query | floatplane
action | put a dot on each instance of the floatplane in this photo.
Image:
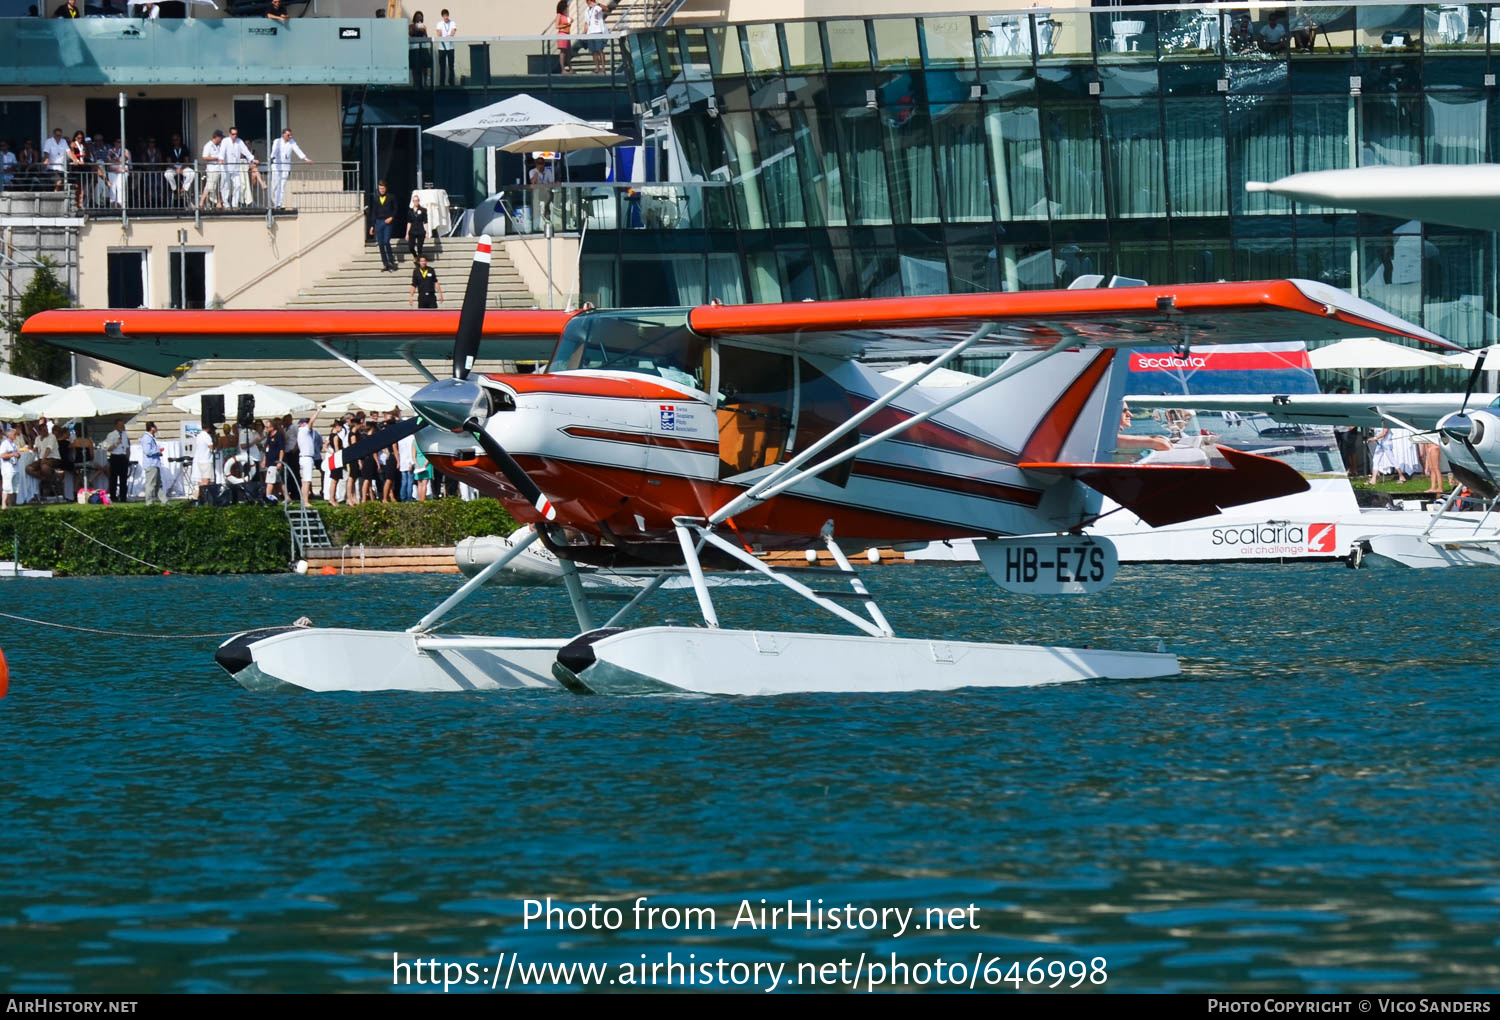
(682, 442)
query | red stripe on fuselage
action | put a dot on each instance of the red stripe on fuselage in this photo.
(1052, 431)
(642, 439)
(928, 433)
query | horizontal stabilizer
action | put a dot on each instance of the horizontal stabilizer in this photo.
(1166, 493)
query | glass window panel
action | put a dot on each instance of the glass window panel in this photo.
(804, 46)
(924, 272)
(1075, 175)
(1196, 157)
(878, 271)
(1390, 271)
(1200, 262)
(1014, 135)
(779, 172)
(1260, 149)
(1150, 261)
(896, 43)
(1391, 130)
(1322, 137)
(1449, 27)
(1262, 258)
(821, 153)
(1126, 36)
(1453, 287)
(868, 191)
(763, 47)
(739, 151)
(948, 42)
(1025, 267)
(958, 137)
(1189, 33)
(1132, 129)
(912, 173)
(848, 45)
(597, 280)
(765, 276)
(1071, 260)
(973, 269)
(1064, 37)
(1010, 38)
(724, 280)
(1330, 260)
(1457, 126)
(1389, 28)
(724, 50)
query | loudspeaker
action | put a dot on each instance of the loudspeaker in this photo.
(213, 409)
(246, 417)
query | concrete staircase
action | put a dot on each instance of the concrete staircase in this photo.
(360, 284)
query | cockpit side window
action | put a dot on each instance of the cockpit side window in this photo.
(652, 343)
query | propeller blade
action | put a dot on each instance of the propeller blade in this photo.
(471, 319)
(513, 472)
(1473, 381)
(1469, 445)
(388, 436)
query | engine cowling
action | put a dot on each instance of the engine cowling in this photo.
(1481, 429)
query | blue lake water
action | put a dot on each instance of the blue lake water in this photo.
(1312, 806)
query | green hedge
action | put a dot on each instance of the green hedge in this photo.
(187, 539)
(439, 522)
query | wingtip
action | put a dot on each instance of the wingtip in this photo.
(1254, 186)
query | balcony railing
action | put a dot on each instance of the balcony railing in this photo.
(159, 190)
(570, 207)
(477, 63)
(201, 51)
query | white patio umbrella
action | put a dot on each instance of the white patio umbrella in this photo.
(270, 401)
(1468, 359)
(1460, 196)
(569, 137)
(1368, 353)
(10, 411)
(501, 123)
(368, 398)
(20, 386)
(82, 401)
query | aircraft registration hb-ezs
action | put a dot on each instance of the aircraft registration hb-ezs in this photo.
(658, 443)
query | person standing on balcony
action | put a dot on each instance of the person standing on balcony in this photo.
(151, 159)
(7, 164)
(238, 159)
(593, 25)
(382, 223)
(446, 30)
(180, 174)
(213, 173)
(118, 173)
(69, 9)
(282, 151)
(419, 56)
(277, 11)
(55, 152)
(562, 25)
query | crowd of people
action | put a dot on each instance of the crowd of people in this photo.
(284, 460)
(101, 174)
(61, 454)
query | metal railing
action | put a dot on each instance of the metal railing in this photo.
(471, 63)
(102, 191)
(570, 207)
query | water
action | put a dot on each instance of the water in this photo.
(1312, 806)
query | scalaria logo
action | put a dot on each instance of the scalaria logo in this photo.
(1193, 361)
(1317, 538)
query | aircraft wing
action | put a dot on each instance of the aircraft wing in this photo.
(1422, 410)
(1192, 314)
(158, 341)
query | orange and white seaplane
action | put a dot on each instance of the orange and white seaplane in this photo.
(666, 442)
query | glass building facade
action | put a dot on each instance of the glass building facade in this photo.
(941, 154)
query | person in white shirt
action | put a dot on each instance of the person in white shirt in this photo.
(118, 173)
(213, 174)
(306, 449)
(445, 31)
(234, 188)
(282, 151)
(406, 457)
(7, 164)
(593, 24)
(55, 152)
(151, 465)
(117, 445)
(203, 462)
(10, 454)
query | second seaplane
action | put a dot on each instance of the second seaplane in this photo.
(677, 444)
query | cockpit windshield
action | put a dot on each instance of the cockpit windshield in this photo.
(655, 343)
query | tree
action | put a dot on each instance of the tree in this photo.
(29, 357)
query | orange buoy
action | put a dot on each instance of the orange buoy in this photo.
(4, 674)
(329, 571)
